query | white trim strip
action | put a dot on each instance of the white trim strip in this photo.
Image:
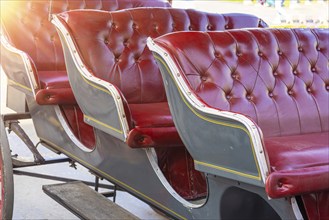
(88, 76)
(296, 209)
(69, 132)
(151, 154)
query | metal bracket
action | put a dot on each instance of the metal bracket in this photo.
(13, 125)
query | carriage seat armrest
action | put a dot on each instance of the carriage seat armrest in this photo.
(298, 181)
(103, 105)
(55, 96)
(18, 67)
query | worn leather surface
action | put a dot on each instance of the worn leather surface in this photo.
(279, 78)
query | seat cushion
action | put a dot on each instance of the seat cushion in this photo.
(53, 79)
(55, 89)
(153, 126)
(299, 164)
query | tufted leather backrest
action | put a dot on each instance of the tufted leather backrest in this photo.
(27, 25)
(279, 78)
(113, 44)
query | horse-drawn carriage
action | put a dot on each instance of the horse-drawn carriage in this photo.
(224, 119)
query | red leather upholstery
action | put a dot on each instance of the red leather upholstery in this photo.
(122, 46)
(55, 90)
(27, 27)
(113, 48)
(313, 209)
(153, 126)
(83, 132)
(278, 78)
(129, 64)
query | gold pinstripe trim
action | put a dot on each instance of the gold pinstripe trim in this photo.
(258, 177)
(19, 85)
(94, 85)
(103, 124)
(227, 170)
(113, 179)
(120, 131)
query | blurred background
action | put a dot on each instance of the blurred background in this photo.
(276, 13)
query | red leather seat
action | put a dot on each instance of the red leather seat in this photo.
(153, 126)
(28, 29)
(118, 54)
(54, 89)
(279, 79)
(113, 49)
(299, 164)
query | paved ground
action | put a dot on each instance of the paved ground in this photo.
(32, 203)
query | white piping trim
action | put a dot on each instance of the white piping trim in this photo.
(151, 155)
(68, 130)
(26, 62)
(296, 209)
(256, 136)
(88, 76)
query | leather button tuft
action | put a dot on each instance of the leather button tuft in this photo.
(295, 72)
(327, 87)
(260, 54)
(280, 52)
(309, 89)
(248, 97)
(290, 92)
(270, 94)
(280, 184)
(106, 41)
(234, 75)
(217, 55)
(190, 28)
(203, 78)
(313, 69)
(226, 26)
(209, 27)
(275, 73)
(228, 97)
(318, 48)
(238, 53)
(300, 49)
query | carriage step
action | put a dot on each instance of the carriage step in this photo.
(85, 202)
